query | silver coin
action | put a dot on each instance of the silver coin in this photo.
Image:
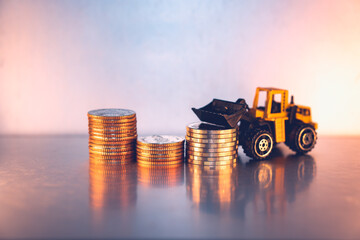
(160, 139)
(111, 112)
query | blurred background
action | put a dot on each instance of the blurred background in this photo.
(60, 59)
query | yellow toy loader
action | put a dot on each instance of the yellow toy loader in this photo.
(262, 126)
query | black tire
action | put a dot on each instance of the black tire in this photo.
(259, 144)
(302, 138)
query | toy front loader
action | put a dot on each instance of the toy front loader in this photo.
(261, 127)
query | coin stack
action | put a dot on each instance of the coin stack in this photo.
(160, 150)
(211, 145)
(112, 135)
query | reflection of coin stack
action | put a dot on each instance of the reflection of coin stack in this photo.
(160, 150)
(112, 135)
(112, 185)
(161, 176)
(211, 145)
(214, 185)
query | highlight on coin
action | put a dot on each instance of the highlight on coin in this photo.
(112, 135)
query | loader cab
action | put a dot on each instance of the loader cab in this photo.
(270, 105)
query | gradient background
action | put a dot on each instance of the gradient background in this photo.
(59, 59)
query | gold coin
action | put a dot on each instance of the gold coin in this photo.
(202, 140)
(211, 136)
(217, 163)
(159, 159)
(100, 155)
(122, 126)
(103, 153)
(160, 148)
(211, 154)
(112, 135)
(120, 134)
(112, 125)
(141, 162)
(111, 151)
(111, 121)
(144, 154)
(112, 139)
(120, 121)
(163, 152)
(113, 145)
(214, 150)
(211, 159)
(204, 128)
(112, 129)
(211, 145)
(112, 159)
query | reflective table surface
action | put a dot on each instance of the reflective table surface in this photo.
(48, 189)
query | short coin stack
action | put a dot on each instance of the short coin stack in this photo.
(112, 135)
(211, 145)
(160, 150)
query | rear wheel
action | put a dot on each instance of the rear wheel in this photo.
(258, 144)
(302, 138)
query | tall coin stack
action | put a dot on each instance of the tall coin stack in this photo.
(112, 135)
(160, 150)
(211, 145)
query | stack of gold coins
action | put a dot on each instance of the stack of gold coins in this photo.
(161, 176)
(211, 145)
(160, 150)
(112, 135)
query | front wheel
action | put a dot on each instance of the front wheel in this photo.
(259, 144)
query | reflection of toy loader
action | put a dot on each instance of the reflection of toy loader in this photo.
(263, 126)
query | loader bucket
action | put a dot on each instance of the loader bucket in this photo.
(222, 112)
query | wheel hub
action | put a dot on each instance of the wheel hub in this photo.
(263, 144)
(307, 138)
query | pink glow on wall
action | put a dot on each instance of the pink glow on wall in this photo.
(58, 59)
